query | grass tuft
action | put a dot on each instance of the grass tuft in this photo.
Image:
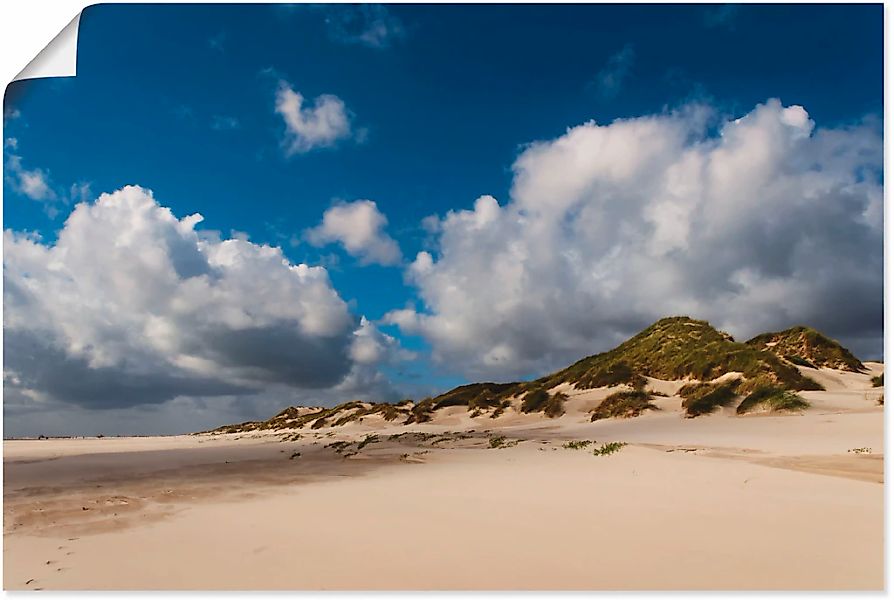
(771, 398)
(623, 404)
(702, 399)
(801, 362)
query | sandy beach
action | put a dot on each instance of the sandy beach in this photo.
(766, 501)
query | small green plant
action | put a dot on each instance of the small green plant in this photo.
(878, 380)
(577, 444)
(609, 448)
(294, 455)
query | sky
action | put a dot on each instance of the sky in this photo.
(235, 208)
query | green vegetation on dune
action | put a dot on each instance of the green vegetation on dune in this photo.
(500, 409)
(705, 398)
(878, 380)
(540, 400)
(555, 406)
(771, 398)
(673, 348)
(679, 348)
(807, 347)
(623, 404)
(609, 448)
(475, 395)
(800, 361)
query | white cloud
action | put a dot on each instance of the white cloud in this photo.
(371, 346)
(11, 142)
(31, 183)
(360, 228)
(133, 306)
(307, 127)
(611, 77)
(765, 224)
(370, 25)
(80, 192)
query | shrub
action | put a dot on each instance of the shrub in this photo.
(878, 380)
(624, 404)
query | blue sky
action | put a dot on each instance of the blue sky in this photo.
(441, 101)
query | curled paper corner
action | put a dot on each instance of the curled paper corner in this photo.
(59, 58)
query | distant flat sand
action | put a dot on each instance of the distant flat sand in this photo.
(718, 502)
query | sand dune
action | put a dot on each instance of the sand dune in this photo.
(766, 501)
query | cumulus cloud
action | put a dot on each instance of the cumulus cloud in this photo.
(360, 228)
(371, 346)
(611, 77)
(320, 125)
(370, 25)
(133, 306)
(755, 223)
(33, 183)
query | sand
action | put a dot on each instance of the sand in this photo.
(725, 502)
